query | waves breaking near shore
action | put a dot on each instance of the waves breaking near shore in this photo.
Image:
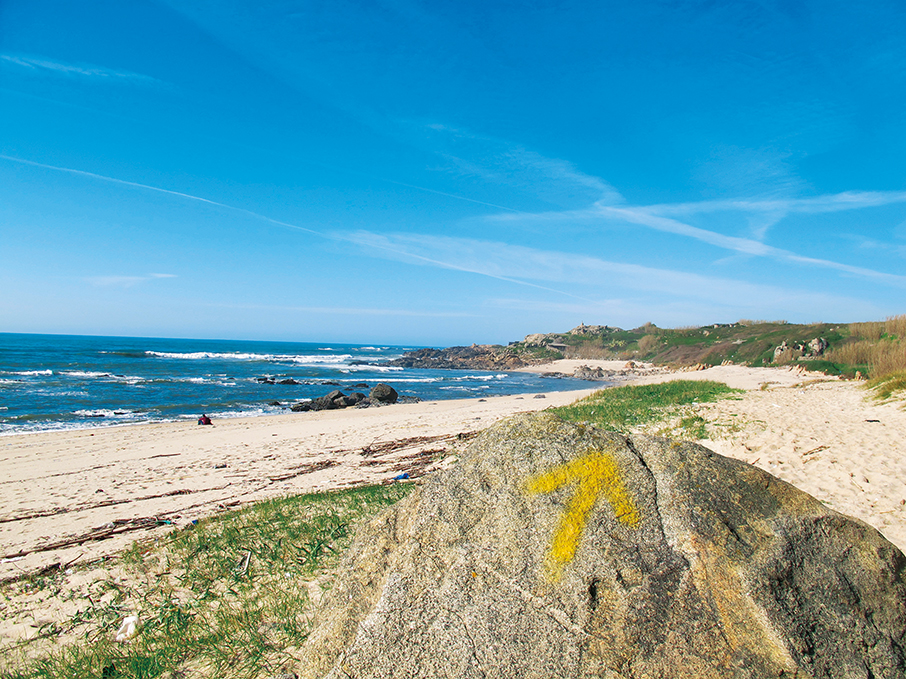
(57, 382)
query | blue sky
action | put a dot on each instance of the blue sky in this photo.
(447, 172)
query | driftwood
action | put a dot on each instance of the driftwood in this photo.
(389, 447)
(75, 471)
(118, 527)
(107, 503)
(414, 464)
(304, 469)
(423, 457)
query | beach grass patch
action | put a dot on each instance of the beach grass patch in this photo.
(889, 386)
(626, 408)
(228, 597)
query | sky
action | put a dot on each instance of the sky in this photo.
(440, 173)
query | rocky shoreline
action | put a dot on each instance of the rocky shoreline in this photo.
(380, 395)
(475, 357)
(495, 357)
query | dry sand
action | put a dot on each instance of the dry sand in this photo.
(113, 483)
(821, 435)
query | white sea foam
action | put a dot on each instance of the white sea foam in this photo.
(313, 359)
(89, 423)
(103, 412)
(298, 359)
(33, 373)
(56, 393)
(84, 373)
(196, 355)
(94, 375)
(248, 411)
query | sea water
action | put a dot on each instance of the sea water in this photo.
(51, 382)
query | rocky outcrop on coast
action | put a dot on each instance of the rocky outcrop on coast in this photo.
(556, 549)
(380, 395)
(475, 357)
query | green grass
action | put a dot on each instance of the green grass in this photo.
(889, 386)
(224, 598)
(693, 427)
(625, 408)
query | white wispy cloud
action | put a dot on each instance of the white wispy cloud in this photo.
(157, 189)
(834, 202)
(41, 64)
(590, 280)
(125, 281)
(643, 217)
(498, 161)
(653, 217)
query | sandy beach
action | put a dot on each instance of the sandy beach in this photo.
(77, 495)
(73, 497)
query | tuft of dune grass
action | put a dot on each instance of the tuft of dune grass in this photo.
(889, 386)
(227, 597)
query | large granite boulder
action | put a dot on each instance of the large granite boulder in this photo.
(558, 550)
(383, 393)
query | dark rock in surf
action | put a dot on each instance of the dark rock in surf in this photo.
(383, 393)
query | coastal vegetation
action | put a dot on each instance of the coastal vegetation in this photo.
(229, 596)
(874, 350)
(627, 408)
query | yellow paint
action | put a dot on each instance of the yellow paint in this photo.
(594, 473)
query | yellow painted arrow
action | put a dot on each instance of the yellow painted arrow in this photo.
(593, 473)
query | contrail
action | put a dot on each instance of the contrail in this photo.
(321, 234)
(189, 196)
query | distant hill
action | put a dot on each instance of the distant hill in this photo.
(836, 348)
(873, 349)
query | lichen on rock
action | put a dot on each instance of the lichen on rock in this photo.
(723, 571)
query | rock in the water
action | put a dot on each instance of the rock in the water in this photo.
(383, 393)
(323, 403)
(557, 550)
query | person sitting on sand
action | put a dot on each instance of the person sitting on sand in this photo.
(204, 419)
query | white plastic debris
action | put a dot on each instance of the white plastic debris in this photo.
(127, 629)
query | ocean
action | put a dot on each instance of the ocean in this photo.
(55, 382)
